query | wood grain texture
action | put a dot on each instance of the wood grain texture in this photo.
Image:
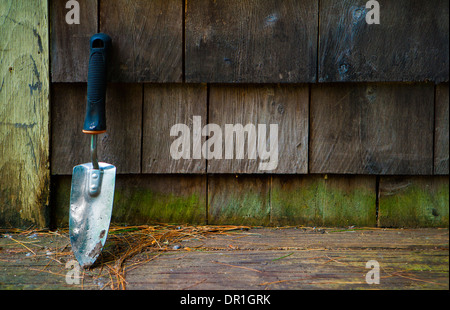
(411, 43)
(70, 147)
(166, 105)
(147, 199)
(291, 258)
(298, 259)
(144, 199)
(284, 268)
(238, 200)
(323, 200)
(70, 43)
(441, 130)
(286, 106)
(415, 201)
(24, 114)
(120, 145)
(277, 200)
(146, 37)
(371, 129)
(251, 41)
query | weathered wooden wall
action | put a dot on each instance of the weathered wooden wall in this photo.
(372, 128)
(365, 152)
(409, 44)
(256, 41)
(362, 110)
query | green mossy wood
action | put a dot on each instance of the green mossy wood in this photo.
(24, 113)
(414, 201)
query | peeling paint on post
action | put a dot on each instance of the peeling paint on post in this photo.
(24, 113)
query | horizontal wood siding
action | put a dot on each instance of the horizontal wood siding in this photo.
(165, 106)
(141, 199)
(70, 42)
(372, 128)
(286, 106)
(362, 110)
(277, 200)
(413, 201)
(147, 39)
(411, 43)
(323, 200)
(257, 41)
(242, 200)
(121, 144)
(146, 36)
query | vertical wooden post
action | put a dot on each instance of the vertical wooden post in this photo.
(24, 113)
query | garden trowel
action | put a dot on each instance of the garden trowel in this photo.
(92, 192)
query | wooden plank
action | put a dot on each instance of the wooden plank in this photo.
(70, 147)
(263, 259)
(20, 268)
(414, 201)
(143, 199)
(70, 42)
(285, 106)
(238, 200)
(411, 42)
(317, 200)
(277, 200)
(161, 199)
(147, 39)
(321, 238)
(371, 129)
(441, 130)
(24, 113)
(120, 146)
(300, 270)
(165, 106)
(257, 259)
(251, 41)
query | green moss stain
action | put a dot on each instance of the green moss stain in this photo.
(143, 206)
(293, 206)
(415, 202)
(312, 200)
(245, 209)
(323, 201)
(136, 205)
(242, 200)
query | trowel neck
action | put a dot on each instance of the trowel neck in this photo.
(94, 158)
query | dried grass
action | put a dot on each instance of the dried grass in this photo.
(123, 243)
(126, 242)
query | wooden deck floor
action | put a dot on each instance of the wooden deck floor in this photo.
(254, 259)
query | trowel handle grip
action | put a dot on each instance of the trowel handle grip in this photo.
(95, 120)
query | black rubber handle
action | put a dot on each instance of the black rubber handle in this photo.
(95, 120)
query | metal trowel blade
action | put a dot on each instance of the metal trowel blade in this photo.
(90, 214)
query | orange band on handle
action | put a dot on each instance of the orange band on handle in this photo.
(93, 132)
